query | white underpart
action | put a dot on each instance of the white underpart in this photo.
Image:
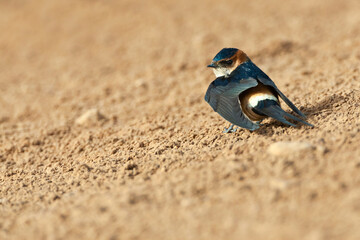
(221, 72)
(254, 100)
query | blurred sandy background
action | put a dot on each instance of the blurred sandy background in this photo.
(104, 133)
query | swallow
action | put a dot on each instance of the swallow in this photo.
(244, 95)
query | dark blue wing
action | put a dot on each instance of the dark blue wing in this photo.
(249, 69)
(223, 97)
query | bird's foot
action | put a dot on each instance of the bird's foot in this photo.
(230, 129)
(234, 129)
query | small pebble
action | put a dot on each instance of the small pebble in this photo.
(90, 116)
(289, 148)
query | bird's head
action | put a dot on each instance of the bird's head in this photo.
(227, 60)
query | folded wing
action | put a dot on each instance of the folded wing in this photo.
(223, 97)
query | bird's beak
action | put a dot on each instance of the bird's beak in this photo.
(212, 65)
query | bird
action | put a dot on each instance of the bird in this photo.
(244, 95)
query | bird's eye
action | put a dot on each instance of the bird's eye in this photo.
(226, 63)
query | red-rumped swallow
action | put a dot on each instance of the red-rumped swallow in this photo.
(243, 94)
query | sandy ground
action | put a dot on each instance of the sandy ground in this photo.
(148, 159)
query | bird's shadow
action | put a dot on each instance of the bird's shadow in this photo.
(324, 106)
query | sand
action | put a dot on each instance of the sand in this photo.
(105, 134)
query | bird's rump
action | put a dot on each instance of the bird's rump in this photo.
(249, 69)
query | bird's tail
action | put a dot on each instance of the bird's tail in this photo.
(272, 109)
